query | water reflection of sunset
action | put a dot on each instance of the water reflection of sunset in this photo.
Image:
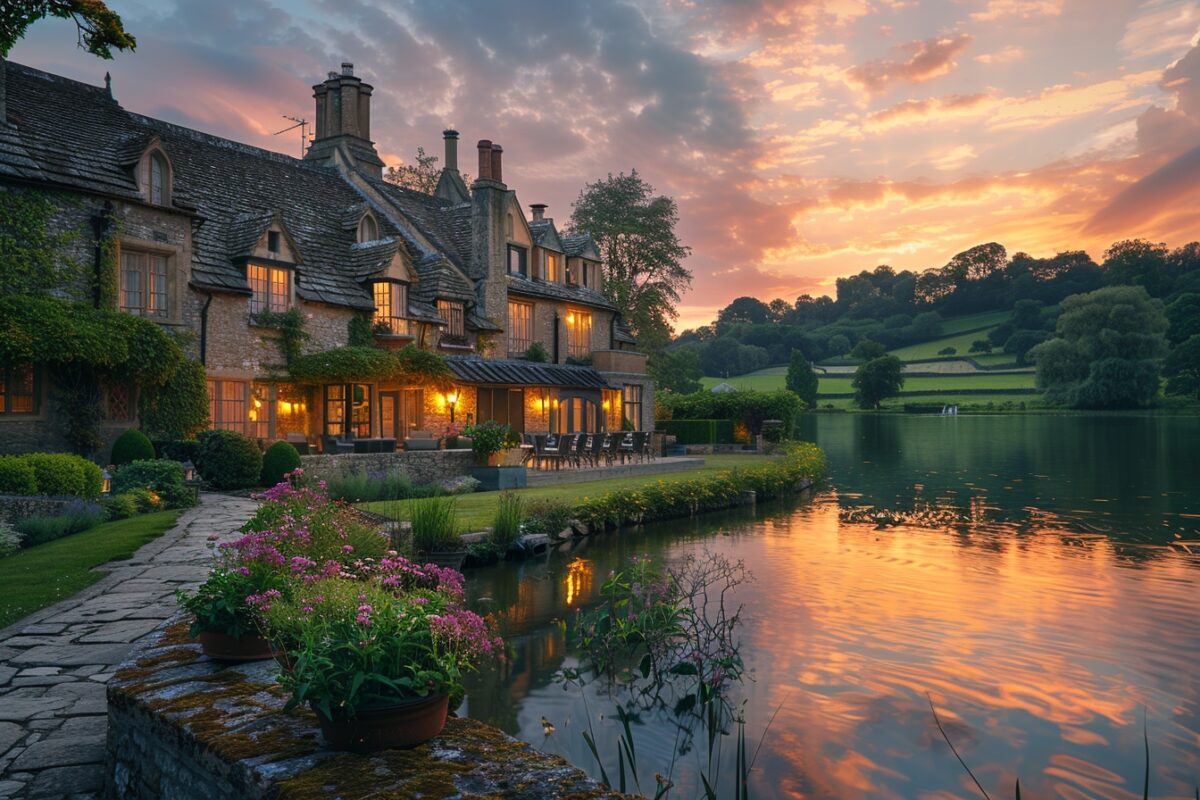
(1039, 648)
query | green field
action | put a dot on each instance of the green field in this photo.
(35, 578)
(476, 511)
(961, 342)
(944, 385)
(973, 322)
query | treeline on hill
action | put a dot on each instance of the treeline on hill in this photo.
(901, 308)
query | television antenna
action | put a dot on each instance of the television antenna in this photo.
(302, 124)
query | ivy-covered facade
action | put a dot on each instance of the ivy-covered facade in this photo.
(297, 288)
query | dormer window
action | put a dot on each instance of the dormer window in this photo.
(273, 242)
(518, 260)
(156, 178)
(551, 272)
(391, 304)
(368, 229)
(452, 313)
(270, 289)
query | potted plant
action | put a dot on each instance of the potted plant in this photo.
(226, 611)
(457, 438)
(490, 442)
(379, 663)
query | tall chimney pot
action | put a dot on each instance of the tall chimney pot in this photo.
(450, 136)
(347, 68)
(497, 172)
(485, 159)
(539, 211)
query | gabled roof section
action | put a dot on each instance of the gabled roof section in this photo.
(532, 287)
(582, 245)
(65, 134)
(545, 235)
(446, 225)
(438, 278)
(478, 322)
(621, 333)
(368, 259)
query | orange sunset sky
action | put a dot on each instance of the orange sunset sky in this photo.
(803, 140)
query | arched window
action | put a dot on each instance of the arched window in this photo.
(159, 190)
(368, 229)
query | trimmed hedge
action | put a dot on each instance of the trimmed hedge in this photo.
(178, 450)
(229, 460)
(64, 475)
(280, 459)
(17, 476)
(161, 476)
(130, 446)
(802, 464)
(697, 431)
(748, 407)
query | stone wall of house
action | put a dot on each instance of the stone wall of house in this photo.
(544, 313)
(184, 727)
(421, 466)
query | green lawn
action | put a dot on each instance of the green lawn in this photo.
(946, 384)
(45, 574)
(971, 322)
(476, 511)
(961, 342)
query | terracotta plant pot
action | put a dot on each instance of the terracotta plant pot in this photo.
(223, 647)
(406, 724)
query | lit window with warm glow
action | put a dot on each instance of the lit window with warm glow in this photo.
(579, 333)
(632, 402)
(391, 302)
(270, 288)
(520, 327)
(551, 273)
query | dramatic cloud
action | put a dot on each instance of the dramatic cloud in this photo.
(914, 62)
(802, 139)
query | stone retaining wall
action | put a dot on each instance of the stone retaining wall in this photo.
(184, 727)
(421, 466)
(14, 508)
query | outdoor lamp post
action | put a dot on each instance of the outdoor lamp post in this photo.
(106, 480)
(451, 401)
(189, 479)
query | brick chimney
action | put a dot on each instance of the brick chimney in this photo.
(539, 211)
(485, 160)
(343, 122)
(497, 172)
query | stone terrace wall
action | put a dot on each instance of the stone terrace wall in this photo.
(184, 727)
(421, 466)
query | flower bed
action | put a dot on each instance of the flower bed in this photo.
(357, 627)
(800, 467)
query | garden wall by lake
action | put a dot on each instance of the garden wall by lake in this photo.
(421, 466)
(185, 727)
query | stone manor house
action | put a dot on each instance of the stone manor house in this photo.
(210, 232)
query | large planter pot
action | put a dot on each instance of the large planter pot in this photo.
(405, 724)
(498, 478)
(444, 558)
(223, 647)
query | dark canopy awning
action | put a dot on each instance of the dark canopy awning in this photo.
(525, 373)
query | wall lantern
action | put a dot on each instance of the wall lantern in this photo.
(106, 479)
(189, 471)
(452, 401)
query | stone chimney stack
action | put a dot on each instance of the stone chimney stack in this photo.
(343, 122)
(497, 172)
(450, 137)
(539, 211)
(485, 160)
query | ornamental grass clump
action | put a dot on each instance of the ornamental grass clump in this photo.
(434, 525)
(506, 528)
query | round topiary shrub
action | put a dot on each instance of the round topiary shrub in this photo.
(65, 475)
(16, 476)
(229, 460)
(163, 477)
(280, 459)
(131, 446)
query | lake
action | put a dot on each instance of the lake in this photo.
(1057, 608)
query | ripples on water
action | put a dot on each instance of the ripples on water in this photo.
(1039, 639)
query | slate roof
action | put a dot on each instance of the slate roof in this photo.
(545, 235)
(621, 333)
(534, 287)
(446, 225)
(576, 244)
(73, 135)
(478, 322)
(439, 279)
(472, 369)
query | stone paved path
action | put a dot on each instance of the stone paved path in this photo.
(54, 663)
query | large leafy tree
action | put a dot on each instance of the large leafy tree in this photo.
(1183, 368)
(100, 29)
(676, 370)
(877, 380)
(642, 255)
(802, 379)
(421, 175)
(1080, 365)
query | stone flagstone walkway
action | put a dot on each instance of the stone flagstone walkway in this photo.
(54, 664)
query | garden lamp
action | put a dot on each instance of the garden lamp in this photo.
(106, 480)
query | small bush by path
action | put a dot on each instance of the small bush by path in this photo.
(42, 575)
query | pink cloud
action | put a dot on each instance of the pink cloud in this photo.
(913, 62)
